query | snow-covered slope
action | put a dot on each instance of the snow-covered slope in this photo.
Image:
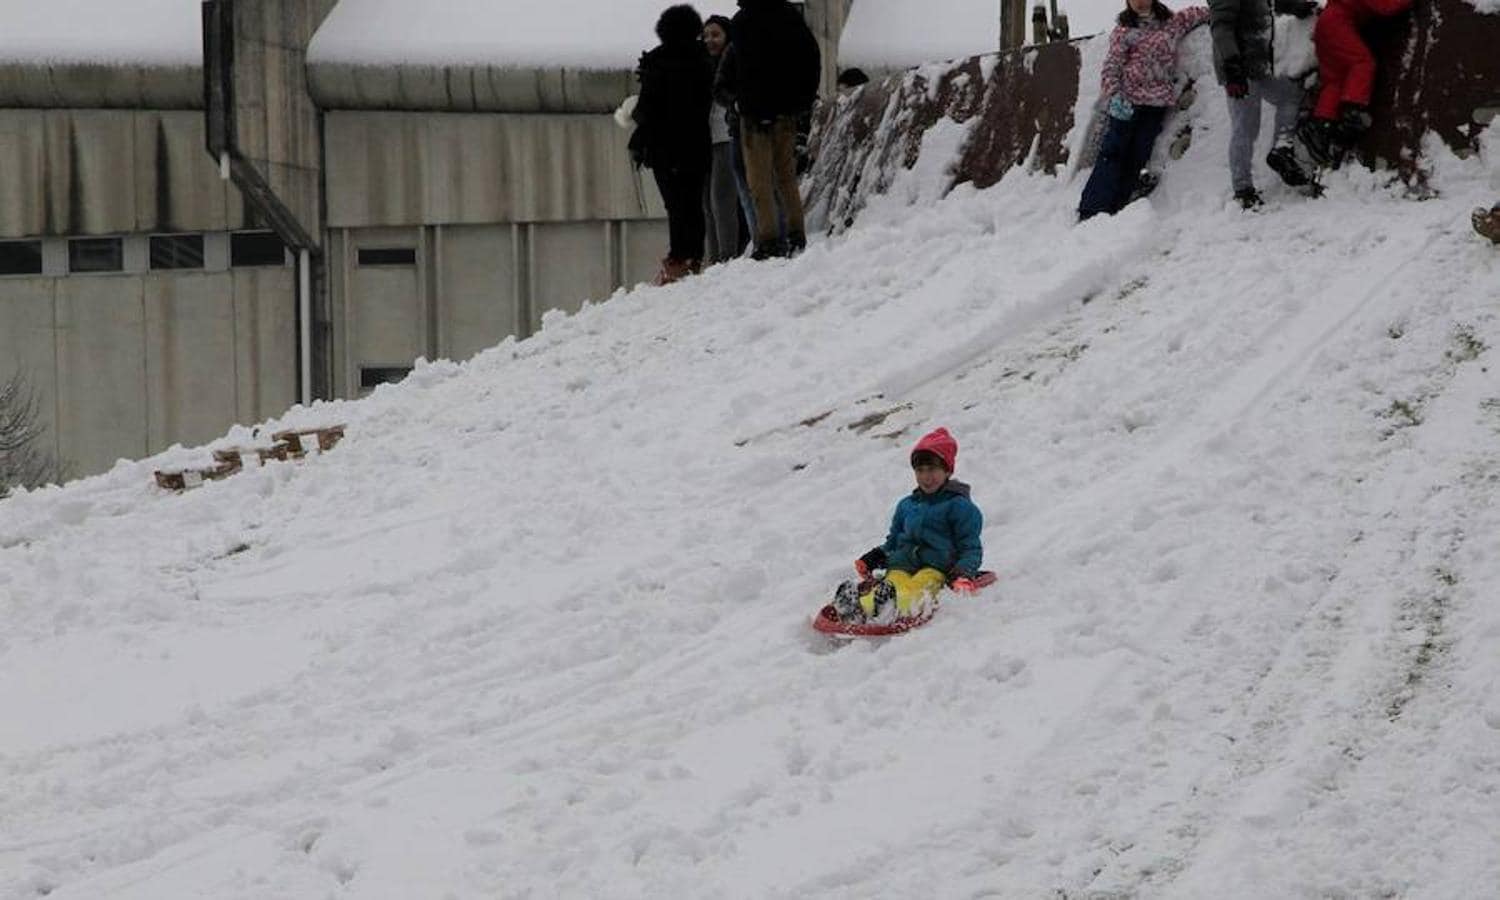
(538, 627)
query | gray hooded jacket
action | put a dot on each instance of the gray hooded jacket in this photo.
(1242, 30)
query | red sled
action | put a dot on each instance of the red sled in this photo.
(828, 622)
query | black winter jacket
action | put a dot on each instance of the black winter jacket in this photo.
(672, 112)
(773, 66)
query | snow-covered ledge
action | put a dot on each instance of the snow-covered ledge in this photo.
(467, 88)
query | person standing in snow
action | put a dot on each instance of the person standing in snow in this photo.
(1244, 57)
(724, 98)
(933, 541)
(1138, 87)
(771, 75)
(721, 202)
(672, 134)
(1346, 77)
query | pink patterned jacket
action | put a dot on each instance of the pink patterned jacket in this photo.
(1142, 61)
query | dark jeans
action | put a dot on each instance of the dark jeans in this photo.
(682, 191)
(1125, 150)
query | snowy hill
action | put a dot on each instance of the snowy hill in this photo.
(538, 627)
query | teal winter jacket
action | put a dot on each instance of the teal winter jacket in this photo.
(938, 530)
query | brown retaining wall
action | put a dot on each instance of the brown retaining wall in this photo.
(1439, 73)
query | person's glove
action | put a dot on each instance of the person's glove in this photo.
(962, 584)
(1120, 108)
(1299, 8)
(1236, 85)
(871, 561)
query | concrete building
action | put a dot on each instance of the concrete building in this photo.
(142, 299)
(219, 209)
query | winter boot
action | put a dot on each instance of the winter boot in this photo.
(1283, 161)
(1318, 138)
(1487, 222)
(1354, 121)
(1145, 183)
(1247, 198)
(846, 602)
(672, 269)
(884, 596)
(765, 250)
(796, 242)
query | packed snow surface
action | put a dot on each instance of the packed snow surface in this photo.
(539, 626)
(152, 32)
(597, 34)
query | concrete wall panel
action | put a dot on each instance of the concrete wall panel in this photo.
(98, 149)
(101, 365)
(265, 316)
(570, 264)
(479, 304)
(27, 346)
(125, 365)
(177, 187)
(81, 172)
(190, 357)
(643, 243)
(421, 169)
(25, 171)
(387, 318)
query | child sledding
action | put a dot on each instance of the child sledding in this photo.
(933, 543)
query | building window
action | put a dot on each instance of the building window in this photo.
(256, 248)
(20, 257)
(387, 256)
(176, 251)
(96, 255)
(371, 376)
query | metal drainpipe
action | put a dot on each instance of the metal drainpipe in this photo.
(304, 316)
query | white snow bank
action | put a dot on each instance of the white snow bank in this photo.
(534, 33)
(152, 32)
(538, 626)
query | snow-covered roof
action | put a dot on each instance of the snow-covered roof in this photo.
(900, 33)
(144, 32)
(591, 34)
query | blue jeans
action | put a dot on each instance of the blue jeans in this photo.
(1125, 150)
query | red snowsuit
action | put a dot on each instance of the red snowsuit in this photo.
(1346, 67)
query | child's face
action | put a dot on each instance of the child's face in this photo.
(714, 38)
(1140, 7)
(930, 476)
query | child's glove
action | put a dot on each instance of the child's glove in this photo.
(875, 559)
(962, 584)
(1120, 108)
(1236, 84)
